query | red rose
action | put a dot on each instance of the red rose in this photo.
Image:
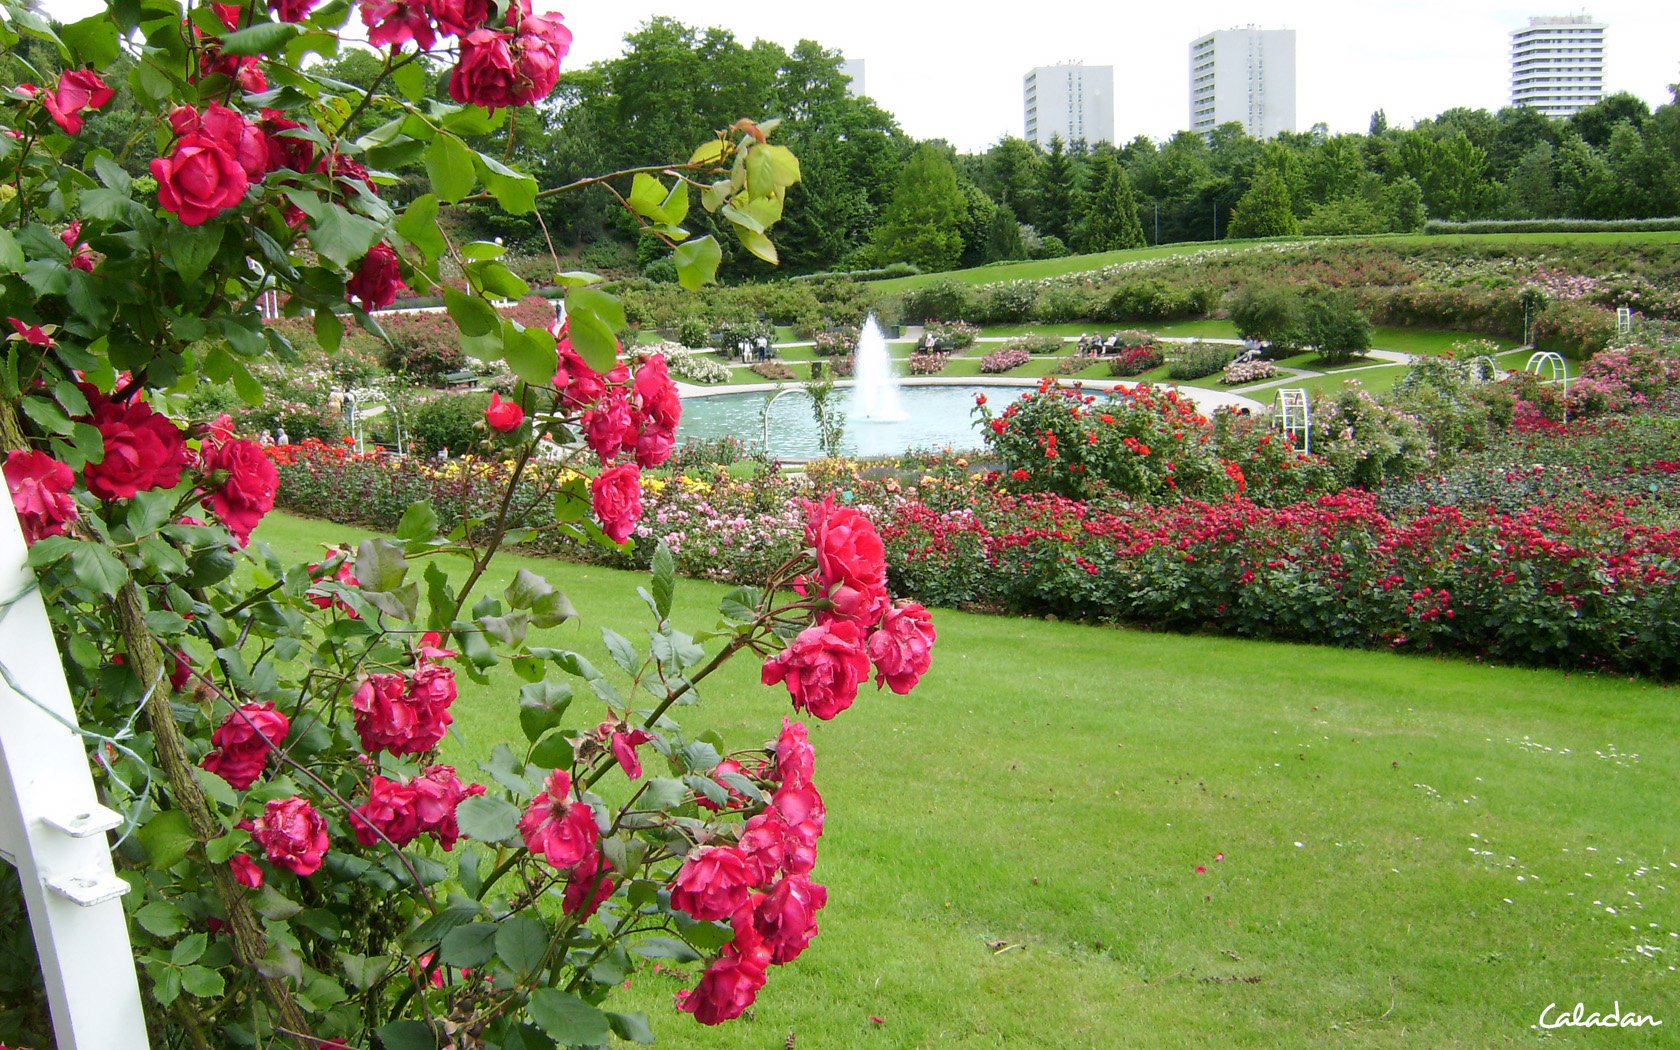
(286, 151)
(245, 871)
(485, 74)
(617, 498)
(851, 561)
(403, 715)
(802, 810)
(581, 385)
(624, 745)
(732, 982)
(588, 886)
(795, 759)
(438, 793)
(291, 10)
(40, 488)
(199, 180)
(343, 576)
(81, 258)
(902, 647)
(143, 450)
(392, 809)
(654, 447)
(823, 667)
(78, 89)
(243, 140)
(292, 834)
(607, 426)
(712, 883)
(247, 487)
(503, 416)
(542, 42)
(392, 23)
(762, 843)
(564, 833)
(656, 394)
(33, 334)
(243, 743)
(787, 917)
(378, 278)
(460, 17)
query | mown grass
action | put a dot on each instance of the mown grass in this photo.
(1417, 852)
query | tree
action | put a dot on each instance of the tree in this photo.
(923, 223)
(1531, 190)
(1379, 124)
(1109, 214)
(1403, 205)
(1271, 313)
(1003, 236)
(1265, 210)
(1335, 168)
(1598, 121)
(1058, 191)
(976, 224)
(1333, 325)
(1013, 175)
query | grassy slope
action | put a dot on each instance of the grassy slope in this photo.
(1040, 268)
(1054, 786)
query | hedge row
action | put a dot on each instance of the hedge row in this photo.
(1440, 226)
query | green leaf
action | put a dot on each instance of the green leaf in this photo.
(419, 523)
(665, 948)
(380, 566)
(93, 40)
(697, 262)
(329, 330)
(407, 1035)
(541, 707)
(512, 190)
(474, 645)
(109, 172)
(475, 317)
(11, 256)
(663, 793)
(532, 354)
(429, 933)
(521, 943)
(623, 652)
(552, 752)
(99, 570)
(202, 982)
(449, 164)
(595, 318)
(570, 1020)
(260, 39)
(161, 918)
(419, 227)
(631, 1027)
(568, 279)
(708, 152)
(335, 232)
(664, 579)
(485, 818)
(469, 945)
(47, 415)
(189, 949)
(526, 589)
(496, 279)
(757, 243)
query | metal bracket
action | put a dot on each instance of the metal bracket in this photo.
(88, 890)
(87, 821)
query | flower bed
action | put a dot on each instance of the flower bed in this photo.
(1248, 372)
(1000, 361)
(953, 335)
(928, 364)
(775, 371)
(1136, 360)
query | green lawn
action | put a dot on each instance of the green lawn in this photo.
(1417, 852)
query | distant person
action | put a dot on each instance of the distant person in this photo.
(281, 437)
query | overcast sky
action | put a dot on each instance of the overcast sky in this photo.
(953, 70)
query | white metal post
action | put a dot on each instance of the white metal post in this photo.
(52, 828)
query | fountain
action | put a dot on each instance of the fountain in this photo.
(875, 390)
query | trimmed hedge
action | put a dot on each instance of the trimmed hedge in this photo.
(1439, 226)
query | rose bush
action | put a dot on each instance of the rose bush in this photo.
(287, 818)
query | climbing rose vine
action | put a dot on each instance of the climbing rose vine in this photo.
(312, 861)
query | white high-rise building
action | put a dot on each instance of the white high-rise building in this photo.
(1072, 100)
(1243, 75)
(852, 69)
(1557, 64)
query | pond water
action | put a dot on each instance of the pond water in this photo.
(936, 416)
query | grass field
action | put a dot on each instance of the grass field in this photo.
(1041, 268)
(1417, 852)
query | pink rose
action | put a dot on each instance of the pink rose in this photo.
(392, 23)
(460, 17)
(243, 140)
(243, 743)
(40, 488)
(504, 417)
(485, 74)
(656, 394)
(712, 883)
(246, 482)
(581, 385)
(292, 834)
(902, 647)
(851, 561)
(81, 257)
(801, 809)
(33, 334)
(564, 833)
(654, 447)
(762, 842)
(143, 451)
(286, 151)
(608, 425)
(731, 983)
(823, 668)
(796, 760)
(624, 744)
(405, 715)
(617, 497)
(78, 89)
(199, 180)
(392, 809)
(245, 871)
(589, 885)
(542, 43)
(378, 278)
(291, 10)
(438, 793)
(787, 917)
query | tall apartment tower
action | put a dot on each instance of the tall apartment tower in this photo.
(1557, 64)
(1243, 75)
(1072, 100)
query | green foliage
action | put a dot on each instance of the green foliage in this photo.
(1195, 360)
(932, 302)
(1265, 210)
(1333, 325)
(922, 225)
(1109, 211)
(452, 423)
(1271, 313)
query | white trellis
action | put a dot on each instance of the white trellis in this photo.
(1294, 416)
(361, 407)
(1483, 369)
(52, 827)
(1624, 320)
(1553, 369)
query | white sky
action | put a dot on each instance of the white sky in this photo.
(953, 70)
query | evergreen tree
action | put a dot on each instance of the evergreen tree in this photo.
(923, 224)
(1265, 210)
(1003, 236)
(1058, 193)
(1403, 204)
(1379, 124)
(1109, 215)
(976, 224)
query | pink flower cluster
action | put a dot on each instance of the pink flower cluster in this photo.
(405, 714)
(242, 480)
(243, 743)
(403, 810)
(761, 885)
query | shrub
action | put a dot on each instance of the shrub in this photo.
(1334, 326)
(1248, 372)
(1195, 360)
(697, 453)
(1038, 344)
(694, 332)
(1062, 303)
(1051, 247)
(1365, 442)
(954, 335)
(939, 299)
(449, 421)
(775, 371)
(1136, 359)
(1272, 313)
(838, 343)
(1008, 303)
(1574, 329)
(928, 364)
(692, 367)
(662, 270)
(727, 335)
(1000, 361)
(1150, 299)
(1440, 226)
(1454, 398)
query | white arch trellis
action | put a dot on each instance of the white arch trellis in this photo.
(1294, 416)
(53, 828)
(1554, 369)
